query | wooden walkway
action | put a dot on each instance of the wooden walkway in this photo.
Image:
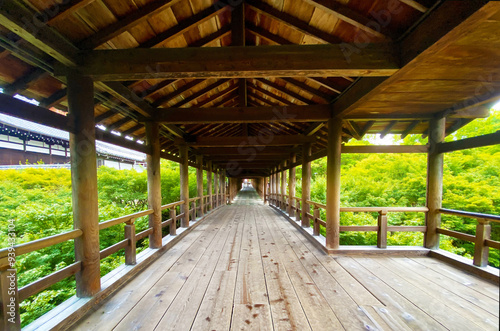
(247, 268)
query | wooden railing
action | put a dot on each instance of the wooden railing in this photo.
(198, 208)
(295, 210)
(482, 240)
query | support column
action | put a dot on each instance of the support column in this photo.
(216, 187)
(434, 182)
(333, 183)
(184, 172)
(283, 187)
(209, 185)
(154, 182)
(84, 183)
(199, 183)
(306, 184)
(264, 191)
(277, 185)
(291, 186)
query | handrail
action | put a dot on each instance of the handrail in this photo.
(172, 205)
(469, 214)
(41, 243)
(124, 219)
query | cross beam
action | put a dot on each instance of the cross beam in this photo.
(238, 62)
(249, 141)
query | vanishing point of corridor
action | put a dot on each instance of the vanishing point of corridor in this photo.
(247, 268)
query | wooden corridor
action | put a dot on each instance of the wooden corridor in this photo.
(247, 268)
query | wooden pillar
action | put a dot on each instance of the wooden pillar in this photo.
(333, 183)
(434, 182)
(199, 183)
(184, 172)
(209, 185)
(277, 184)
(306, 183)
(264, 191)
(84, 183)
(283, 187)
(224, 191)
(154, 182)
(291, 186)
(216, 187)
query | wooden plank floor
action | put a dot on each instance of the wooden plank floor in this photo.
(247, 268)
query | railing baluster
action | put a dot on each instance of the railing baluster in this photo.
(382, 229)
(315, 221)
(481, 251)
(130, 250)
(173, 224)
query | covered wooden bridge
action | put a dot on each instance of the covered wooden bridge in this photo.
(250, 90)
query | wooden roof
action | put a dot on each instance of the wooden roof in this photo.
(383, 66)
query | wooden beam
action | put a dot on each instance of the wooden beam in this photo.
(119, 123)
(263, 33)
(61, 11)
(367, 127)
(386, 149)
(184, 25)
(26, 24)
(218, 95)
(219, 34)
(359, 21)
(284, 90)
(303, 86)
(237, 62)
(326, 83)
(306, 184)
(415, 5)
(54, 99)
(270, 94)
(201, 92)
(354, 130)
(132, 130)
(293, 22)
(163, 100)
(475, 142)
(154, 183)
(269, 150)
(125, 23)
(251, 157)
(23, 82)
(312, 113)
(84, 184)
(409, 129)
(388, 129)
(251, 141)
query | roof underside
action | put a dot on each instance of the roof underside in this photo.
(427, 59)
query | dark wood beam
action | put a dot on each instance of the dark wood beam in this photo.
(237, 62)
(303, 86)
(132, 129)
(415, 5)
(218, 95)
(388, 129)
(184, 25)
(326, 83)
(367, 127)
(313, 113)
(27, 25)
(385, 149)
(251, 141)
(200, 93)
(23, 82)
(125, 23)
(270, 94)
(359, 21)
(475, 142)
(61, 11)
(105, 115)
(54, 99)
(269, 150)
(248, 158)
(353, 129)
(409, 129)
(161, 101)
(263, 33)
(284, 90)
(293, 22)
(219, 34)
(119, 123)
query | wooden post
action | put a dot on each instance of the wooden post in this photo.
(154, 182)
(224, 192)
(306, 183)
(382, 229)
(481, 252)
(315, 221)
(265, 190)
(184, 172)
(130, 250)
(216, 188)
(173, 224)
(199, 183)
(291, 186)
(434, 182)
(84, 183)
(209, 186)
(283, 187)
(333, 183)
(9, 300)
(278, 188)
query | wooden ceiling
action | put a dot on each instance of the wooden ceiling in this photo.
(224, 70)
